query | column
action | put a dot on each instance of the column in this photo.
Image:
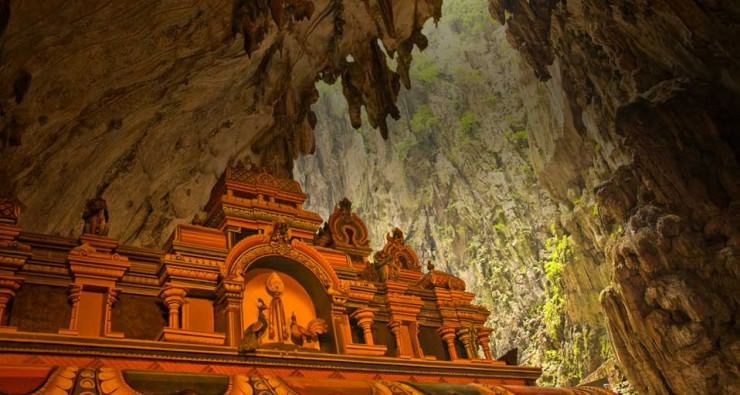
(484, 340)
(466, 338)
(8, 286)
(110, 300)
(395, 327)
(340, 320)
(229, 302)
(173, 297)
(364, 318)
(447, 333)
(73, 295)
(415, 342)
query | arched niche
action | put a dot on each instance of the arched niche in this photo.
(302, 263)
(303, 294)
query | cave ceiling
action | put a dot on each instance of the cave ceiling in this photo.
(97, 98)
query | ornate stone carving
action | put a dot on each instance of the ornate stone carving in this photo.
(447, 334)
(8, 287)
(307, 336)
(255, 330)
(395, 256)
(96, 217)
(280, 238)
(344, 230)
(10, 211)
(364, 318)
(60, 382)
(261, 246)
(248, 173)
(437, 279)
(173, 297)
(112, 382)
(278, 327)
(483, 337)
(275, 324)
(467, 336)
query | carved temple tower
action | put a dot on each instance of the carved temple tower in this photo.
(261, 296)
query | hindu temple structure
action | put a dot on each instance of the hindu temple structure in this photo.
(259, 297)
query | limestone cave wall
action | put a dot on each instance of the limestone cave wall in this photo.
(573, 147)
(143, 102)
(633, 110)
(457, 177)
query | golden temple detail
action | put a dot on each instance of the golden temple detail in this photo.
(260, 296)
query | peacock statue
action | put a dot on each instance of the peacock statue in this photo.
(254, 331)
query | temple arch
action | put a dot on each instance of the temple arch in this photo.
(253, 248)
(311, 282)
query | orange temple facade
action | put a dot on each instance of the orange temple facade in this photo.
(260, 297)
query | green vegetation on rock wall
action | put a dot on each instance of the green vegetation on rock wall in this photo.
(456, 176)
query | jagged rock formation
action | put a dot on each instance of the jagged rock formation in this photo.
(144, 102)
(633, 109)
(456, 176)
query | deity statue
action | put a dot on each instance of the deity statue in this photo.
(392, 259)
(385, 267)
(96, 217)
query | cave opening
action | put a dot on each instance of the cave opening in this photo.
(574, 162)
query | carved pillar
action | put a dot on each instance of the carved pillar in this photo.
(364, 318)
(484, 340)
(73, 293)
(466, 337)
(110, 300)
(395, 327)
(447, 334)
(8, 286)
(340, 320)
(229, 300)
(415, 342)
(173, 297)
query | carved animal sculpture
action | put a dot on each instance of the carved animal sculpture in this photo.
(96, 217)
(300, 335)
(254, 331)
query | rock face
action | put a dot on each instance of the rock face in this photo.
(633, 107)
(144, 102)
(631, 123)
(456, 176)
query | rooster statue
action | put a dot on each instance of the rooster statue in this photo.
(254, 331)
(307, 337)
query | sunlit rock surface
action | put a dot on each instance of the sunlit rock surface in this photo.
(632, 109)
(456, 176)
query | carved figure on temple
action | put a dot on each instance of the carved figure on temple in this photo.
(307, 337)
(254, 331)
(96, 217)
(392, 259)
(384, 268)
(437, 279)
(10, 206)
(280, 233)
